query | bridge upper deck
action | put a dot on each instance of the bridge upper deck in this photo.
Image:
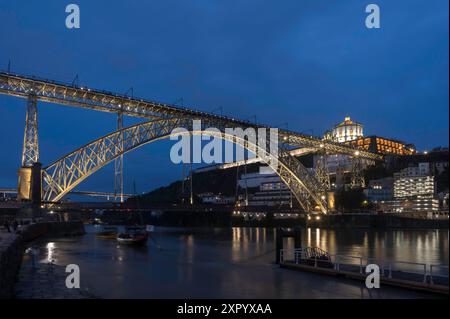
(105, 101)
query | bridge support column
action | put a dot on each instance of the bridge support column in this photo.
(331, 201)
(278, 244)
(297, 237)
(30, 152)
(30, 184)
(281, 234)
(118, 164)
(30, 180)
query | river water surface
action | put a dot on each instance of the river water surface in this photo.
(234, 262)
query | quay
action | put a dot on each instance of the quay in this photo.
(424, 277)
(12, 248)
(46, 281)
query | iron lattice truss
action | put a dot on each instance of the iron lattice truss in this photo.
(69, 171)
(62, 176)
(322, 173)
(60, 93)
(357, 171)
(118, 166)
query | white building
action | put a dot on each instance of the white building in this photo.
(422, 169)
(256, 179)
(216, 199)
(347, 130)
(418, 204)
(415, 190)
(409, 186)
(272, 191)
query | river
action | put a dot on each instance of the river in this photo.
(233, 262)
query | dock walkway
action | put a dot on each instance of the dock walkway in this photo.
(417, 276)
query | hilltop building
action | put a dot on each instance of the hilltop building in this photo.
(345, 131)
(352, 133)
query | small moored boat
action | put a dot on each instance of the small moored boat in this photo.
(107, 232)
(133, 236)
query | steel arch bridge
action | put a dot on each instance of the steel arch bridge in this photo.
(70, 170)
(62, 176)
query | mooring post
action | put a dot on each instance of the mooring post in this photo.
(36, 184)
(297, 237)
(278, 244)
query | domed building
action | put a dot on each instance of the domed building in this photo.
(345, 131)
(351, 133)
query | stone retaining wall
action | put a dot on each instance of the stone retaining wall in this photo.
(12, 247)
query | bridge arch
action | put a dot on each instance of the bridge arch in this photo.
(66, 173)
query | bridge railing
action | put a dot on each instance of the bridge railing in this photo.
(392, 269)
(438, 271)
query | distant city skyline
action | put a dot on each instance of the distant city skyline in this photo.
(302, 63)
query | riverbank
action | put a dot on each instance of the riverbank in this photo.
(46, 281)
(224, 218)
(12, 247)
(384, 221)
(331, 221)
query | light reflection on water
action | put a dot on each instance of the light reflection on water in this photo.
(234, 262)
(50, 252)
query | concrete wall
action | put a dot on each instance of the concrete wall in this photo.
(12, 247)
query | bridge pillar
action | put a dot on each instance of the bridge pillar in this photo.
(281, 234)
(118, 163)
(30, 184)
(30, 152)
(331, 201)
(278, 244)
(297, 237)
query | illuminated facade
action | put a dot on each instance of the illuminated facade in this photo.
(382, 145)
(414, 186)
(345, 131)
(272, 191)
(415, 190)
(418, 204)
(351, 133)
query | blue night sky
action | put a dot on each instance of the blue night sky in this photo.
(308, 63)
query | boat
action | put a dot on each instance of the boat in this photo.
(133, 236)
(107, 232)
